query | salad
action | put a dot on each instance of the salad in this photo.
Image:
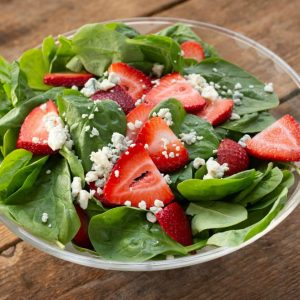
(136, 147)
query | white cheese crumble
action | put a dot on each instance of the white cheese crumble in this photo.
(74, 87)
(168, 179)
(48, 172)
(94, 132)
(215, 70)
(165, 114)
(83, 199)
(189, 138)
(43, 107)
(209, 92)
(235, 116)
(150, 217)
(198, 162)
(237, 86)
(45, 217)
(214, 169)
(127, 203)
(244, 139)
(157, 70)
(155, 209)
(269, 87)
(117, 173)
(76, 186)
(142, 204)
(35, 140)
(158, 203)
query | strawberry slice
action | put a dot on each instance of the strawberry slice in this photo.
(234, 155)
(33, 134)
(279, 142)
(192, 49)
(67, 79)
(81, 238)
(117, 94)
(216, 112)
(175, 223)
(135, 178)
(175, 86)
(165, 149)
(135, 82)
(140, 114)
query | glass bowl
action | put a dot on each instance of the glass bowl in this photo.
(240, 50)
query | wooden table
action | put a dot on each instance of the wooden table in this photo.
(268, 269)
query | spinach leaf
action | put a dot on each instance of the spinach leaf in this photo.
(5, 103)
(176, 109)
(23, 180)
(124, 29)
(232, 238)
(48, 49)
(287, 182)
(182, 33)
(196, 246)
(215, 189)
(199, 174)
(159, 49)
(138, 240)
(250, 123)
(9, 141)
(98, 45)
(201, 148)
(181, 175)
(254, 99)
(264, 187)
(15, 117)
(107, 119)
(51, 195)
(73, 162)
(94, 208)
(11, 164)
(4, 71)
(215, 215)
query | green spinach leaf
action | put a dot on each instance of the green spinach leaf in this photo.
(9, 141)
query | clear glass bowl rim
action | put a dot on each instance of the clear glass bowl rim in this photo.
(96, 262)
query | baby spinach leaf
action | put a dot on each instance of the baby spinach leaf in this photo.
(181, 175)
(177, 111)
(199, 174)
(15, 117)
(50, 194)
(5, 68)
(217, 214)
(73, 162)
(106, 119)
(254, 99)
(124, 29)
(201, 148)
(215, 189)
(48, 49)
(5, 103)
(232, 238)
(250, 123)
(159, 49)
(138, 240)
(196, 246)
(13, 162)
(98, 45)
(9, 141)
(94, 208)
(182, 33)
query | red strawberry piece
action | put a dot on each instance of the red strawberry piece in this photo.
(67, 79)
(234, 155)
(216, 112)
(33, 134)
(279, 142)
(98, 196)
(135, 82)
(139, 114)
(165, 149)
(117, 94)
(81, 238)
(192, 49)
(135, 178)
(175, 86)
(175, 223)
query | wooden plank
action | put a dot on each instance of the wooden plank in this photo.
(273, 23)
(267, 269)
(289, 107)
(24, 24)
(7, 238)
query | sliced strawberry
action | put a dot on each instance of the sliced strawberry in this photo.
(234, 155)
(135, 82)
(117, 94)
(67, 79)
(279, 142)
(175, 86)
(165, 149)
(192, 49)
(175, 223)
(81, 238)
(135, 178)
(140, 113)
(216, 112)
(33, 134)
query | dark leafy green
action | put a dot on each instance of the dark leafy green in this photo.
(9, 141)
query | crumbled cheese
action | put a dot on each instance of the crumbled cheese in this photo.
(91, 116)
(244, 139)
(215, 70)
(158, 203)
(83, 116)
(35, 140)
(157, 70)
(106, 85)
(155, 82)
(94, 132)
(140, 101)
(130, 126)
(150, 217)
(269, 87)
(196, 81)
(113, 77)
(155, 209)
(45, 217)
(146, 146)
(229, 92)
(237, 86)
(171, 154)
(92, 193)
(87, 128)
(83, 199)
(117, 173)
(235, 116)
(237, 95)
(138, 124)
(237, 101)
(168, 179)
(166, 115)
(48, 172)
(166, 142)
(165, 154)
(177, 148)
(251, 86)
(209, 92)
(99, 191)
(43, 107)
(50, 225)
(189, 138)
(214, 169)
(198, 162)
(91, 87)
(142, 204)
(74, 87)
(127, 203)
